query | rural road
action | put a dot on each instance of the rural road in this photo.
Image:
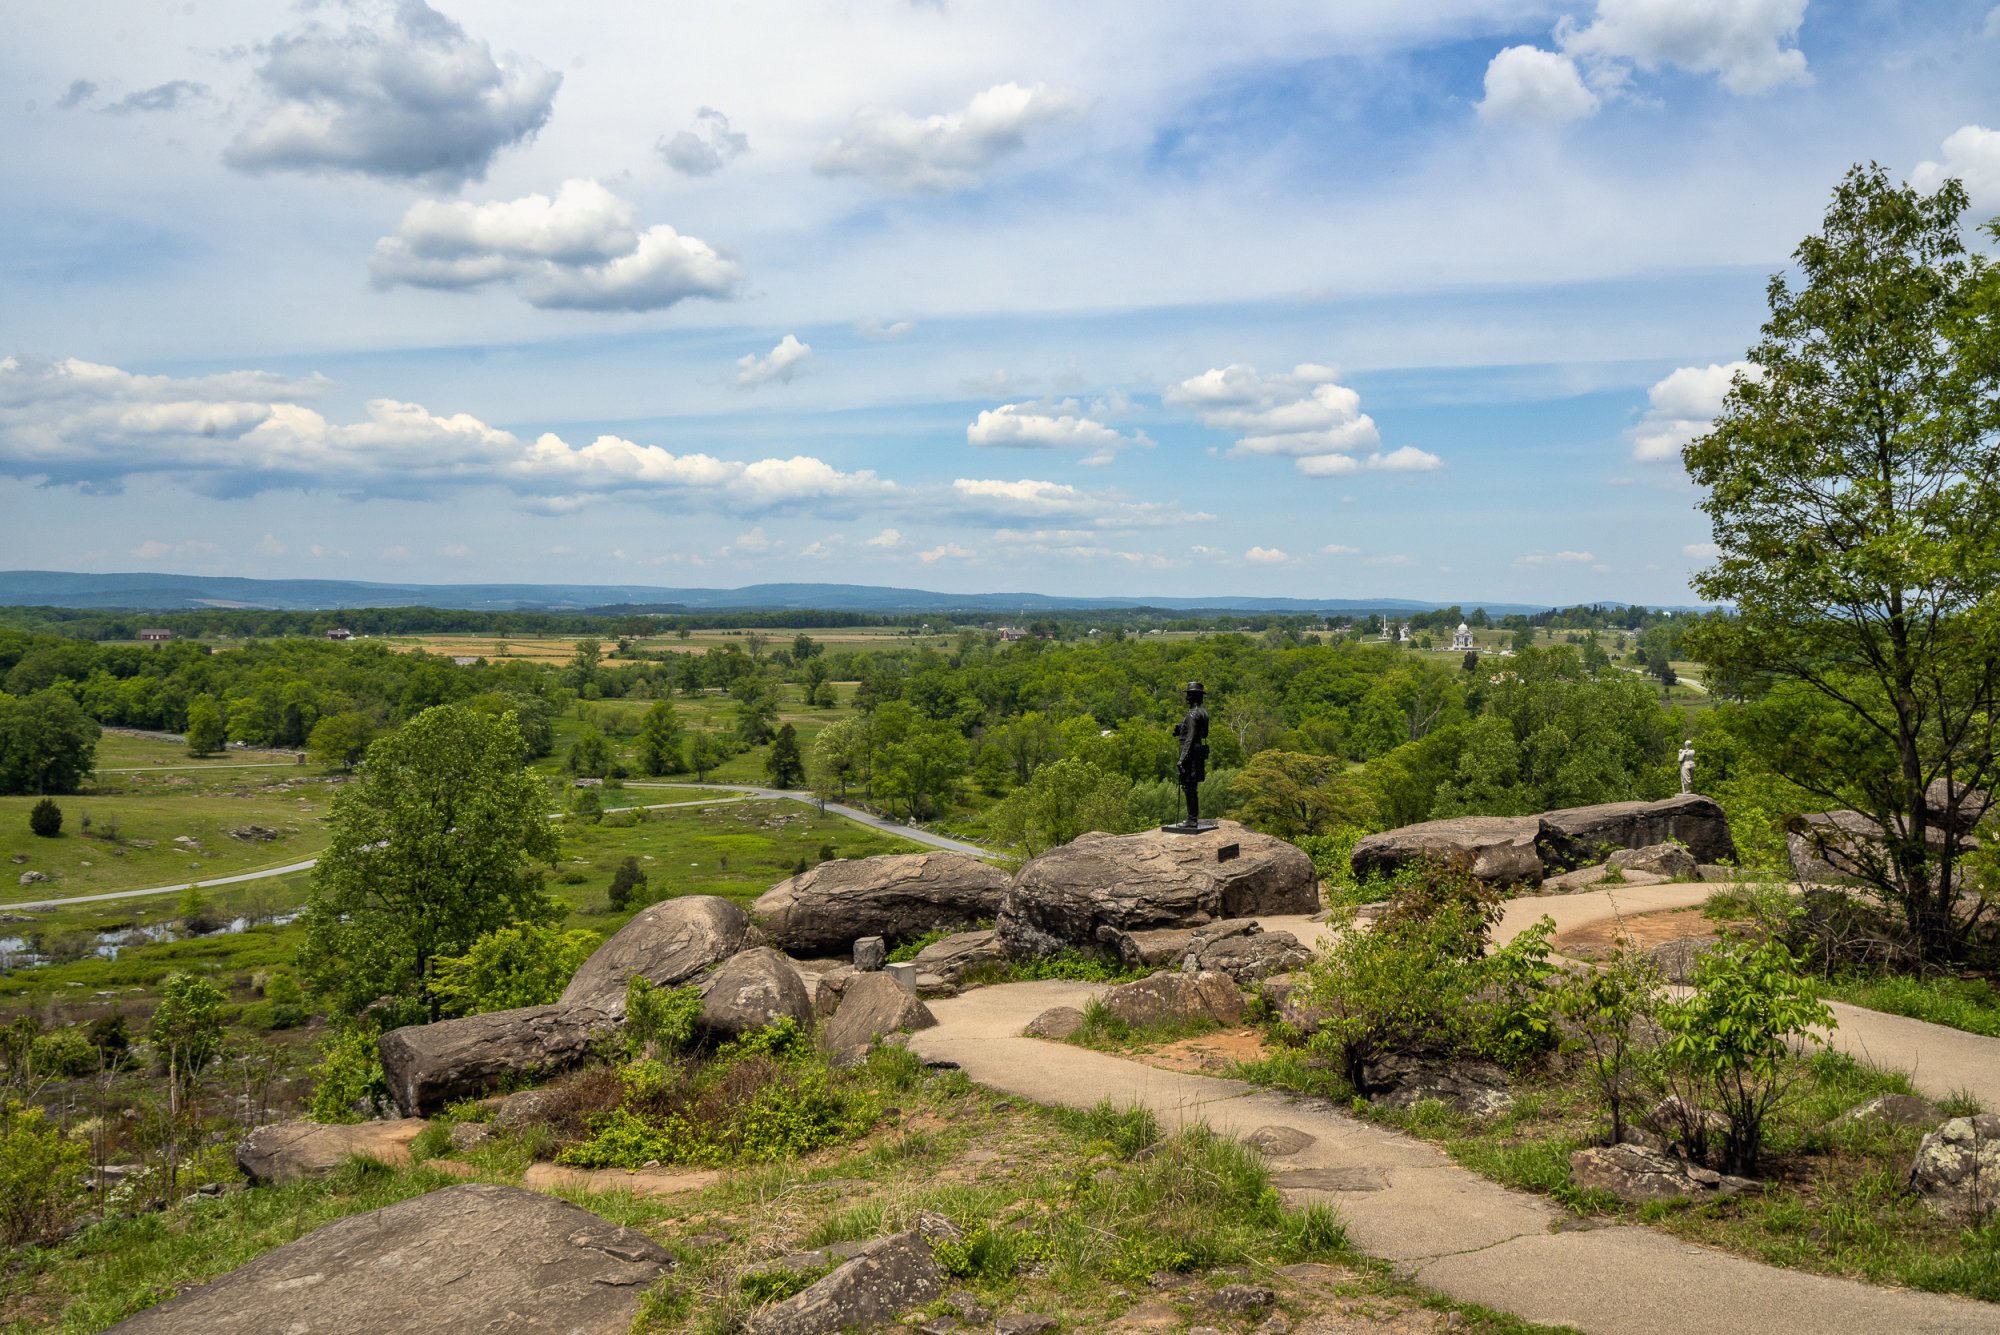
(737, 793)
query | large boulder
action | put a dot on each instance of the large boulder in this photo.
(1139, 882)
(669, 943)
(1835, 847)
(1500, 850)
(1177, 998)
(1403, 1080)
(1957, 1170)
(1247, 957)
(873, 1006)
(883, 1280)
(288, 1151)
(752, 990)
(1577, 836)
(824, 909)
(474, 1257)
(429, 1065)
(1669, 861)
(1955, 805)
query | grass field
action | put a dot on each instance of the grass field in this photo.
(559, 648)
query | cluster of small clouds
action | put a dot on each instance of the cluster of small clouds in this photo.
(1682, 406)
(582, 250)
(1059, 425)
(417, 99)
(945, 153)
(1304, 414)
(1747, 45)
(169, 96)
(91, 426)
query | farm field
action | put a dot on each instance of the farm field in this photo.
(559, 648)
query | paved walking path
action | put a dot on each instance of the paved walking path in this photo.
(1442, 1225)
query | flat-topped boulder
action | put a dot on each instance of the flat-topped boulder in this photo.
(1579, 836)
(1500, 850)
(953, 955)
(429, 1065)
(669, 943)
(1835, 847)
(465, 1259)
(825, 909)
(1143, 882)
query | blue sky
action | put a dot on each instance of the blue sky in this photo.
(1367, 299)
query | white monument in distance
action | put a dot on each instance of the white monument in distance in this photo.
(1461, 639)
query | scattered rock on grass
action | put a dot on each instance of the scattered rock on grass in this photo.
(1957, 1169)
(1896, 1110)
(1025, 1323)
(1636, 1175)
(884, 1279)
(1475, 1088)
(509, 1259)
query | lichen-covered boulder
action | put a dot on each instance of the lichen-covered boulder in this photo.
(669, 943)
(288, 1151)
(1636, 1175)
(1141, 882)
(1577, 836)
(825, 909)
(1248, 957)
(1668, 860)
(754, 989)
(1957, 1169)
(474, 1257)
(1499, 850)
(949, 958)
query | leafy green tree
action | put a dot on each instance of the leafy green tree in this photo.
(925, 767)
(338, 741)
(510, 967)
(804, 648)
(205, 734)
(785, 766)
(47, 743)
(660, 740)
(756, 710)
(838, 756)
(41, 1175)
(1291, 795)
(589, 755)
(186, 1031)
(587, 805)
(1853, 491)
(1061, 800)
(582, 673)
(433, 846)
(45, 819)
(706, 750)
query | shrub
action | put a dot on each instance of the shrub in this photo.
(1610, 1011)
(112, 1037)
(41, 1176)
(523, 965)
(1399, 988)
(64, 1053)
(186, 1028)
(1729, 1042)
(1516, 1005)
(1432, 890)
(627, 883)
(284, 1004)
(660, 1020)
(197, 917)
(45, 818)
(586, 806)
(349, 1073)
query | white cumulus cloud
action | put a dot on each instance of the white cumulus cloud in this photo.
(1682, 406)
(1266, 556)
(1049, 426)
(781, 363)
(1972, 154)
(1526, 83)
(705, 147)
(403, 93)
(1556, 558)
(945, 153)
(1033, 499)
(876, 330)
(1750, 45)
(1701, 550)
(581, 250)
(949, 551)
(1303, 414)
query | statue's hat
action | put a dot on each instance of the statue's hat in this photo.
(1194, 688)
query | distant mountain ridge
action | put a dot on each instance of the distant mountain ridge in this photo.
(143, 591)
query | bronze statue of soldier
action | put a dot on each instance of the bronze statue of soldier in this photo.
(1192, 765)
